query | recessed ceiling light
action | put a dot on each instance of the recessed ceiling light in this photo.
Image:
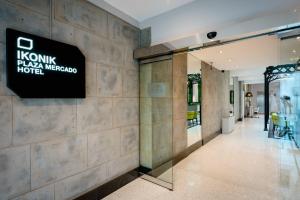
(220, 51)
(298, 38)
(229, 60)
(294, 51)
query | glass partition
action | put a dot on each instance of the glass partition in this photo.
(288, 126)
(156, 120)
(289, 108)
(296, 95)
(289, 105)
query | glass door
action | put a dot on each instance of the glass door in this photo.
(156, 124)
(287, 128)
(289, 92)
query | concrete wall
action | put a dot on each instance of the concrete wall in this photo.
(255, 88)
(215, 100)
(274, 93)
(237, 91)
(242, 100)
(58, 148)
(180, 62)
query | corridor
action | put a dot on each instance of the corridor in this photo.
(242, 165)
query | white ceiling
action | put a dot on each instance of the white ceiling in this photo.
(185, 22)
(247, 54)
(201, 16)
(248, 59)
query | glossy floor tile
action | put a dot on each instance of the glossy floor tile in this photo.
(244, 164)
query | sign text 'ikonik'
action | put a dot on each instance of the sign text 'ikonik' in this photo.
(42, 68)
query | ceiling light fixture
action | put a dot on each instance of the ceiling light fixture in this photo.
(229, 60)
(298, 38)
(220, 51)
(294, 51)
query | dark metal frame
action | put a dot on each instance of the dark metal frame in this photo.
(273, 73)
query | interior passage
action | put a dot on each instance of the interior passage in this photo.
(244, 164)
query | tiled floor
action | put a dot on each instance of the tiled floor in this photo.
(194, 135)
(242, 165)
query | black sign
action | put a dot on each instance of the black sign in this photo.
(41, 68)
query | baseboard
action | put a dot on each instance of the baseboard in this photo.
(117, 183)
(187, 152)
(176, 159)
(211, 137)
(110, 187)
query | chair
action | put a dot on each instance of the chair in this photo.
(195, 117)
(275, 121)
(191, 116)
(256, 112)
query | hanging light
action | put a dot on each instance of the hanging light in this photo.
(249, 94)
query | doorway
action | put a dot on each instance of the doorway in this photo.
(161, 82)
(260, 99)
(194, 90)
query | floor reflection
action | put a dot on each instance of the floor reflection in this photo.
(194, 134)
(244, 164)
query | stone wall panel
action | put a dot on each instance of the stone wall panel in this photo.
(123, 164)
(78, 184)
(91, 78)
(56, 159)
(40, 6)
(131, 83)
(45, 193)
(179, 128)
(62, 32)
(5, 121)
(41, 119)
(109, 81)
(125, 112)
(213, 108)
(122, 32)
(82, 14)
(13, 16)
(103, 146)
(4, 91)
(129, 139)
(55, 132)
(94, 114)
(99, 49)
(14, 171)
